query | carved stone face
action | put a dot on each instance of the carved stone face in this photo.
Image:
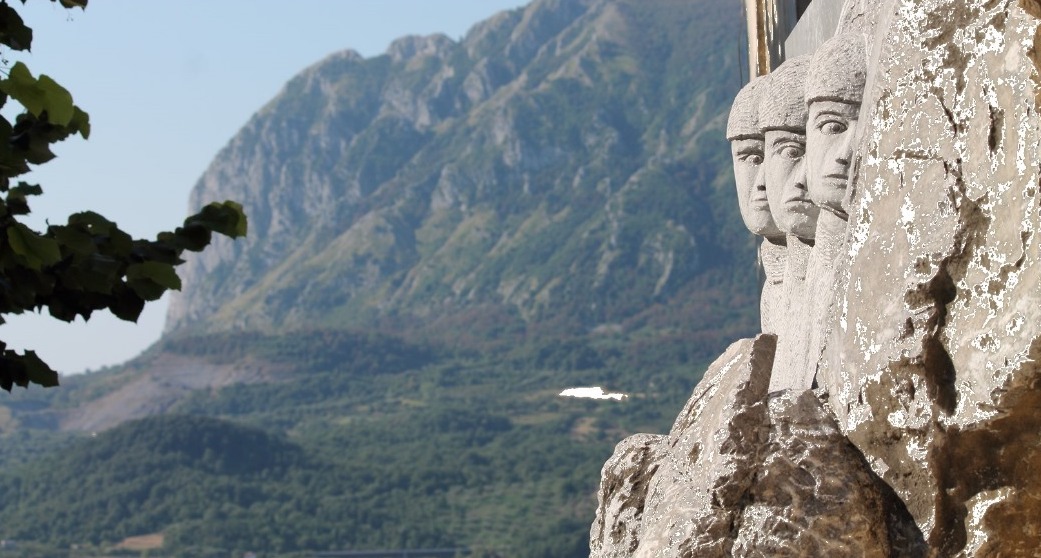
(784, 171)
(829, 148)
(751, 193)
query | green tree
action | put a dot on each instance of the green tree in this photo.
(87, 264)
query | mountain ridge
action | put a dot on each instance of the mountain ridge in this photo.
(518, 185)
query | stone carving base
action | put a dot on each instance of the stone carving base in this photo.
(747, 474)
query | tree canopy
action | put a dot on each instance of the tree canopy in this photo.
(89, 263)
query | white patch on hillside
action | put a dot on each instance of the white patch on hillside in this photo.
(592, 393)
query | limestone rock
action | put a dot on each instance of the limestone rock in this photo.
(933, 356)
(815, 495)
(697, 492)
(744, 474)
(623, 493)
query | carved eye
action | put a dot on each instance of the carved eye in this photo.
(792, 151)
(832, 127)
(753, 158)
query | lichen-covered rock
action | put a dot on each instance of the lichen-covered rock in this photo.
(623, 493)
(932, 364)
(815, 495)
(744, 474)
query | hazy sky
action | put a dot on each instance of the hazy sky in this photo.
(167, 84)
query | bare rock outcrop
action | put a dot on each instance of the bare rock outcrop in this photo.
(934, 362)
(744, 473)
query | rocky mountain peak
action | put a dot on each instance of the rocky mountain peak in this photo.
(534, 170)
(414, 46)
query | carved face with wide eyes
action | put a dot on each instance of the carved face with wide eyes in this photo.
(785, 174)
(829, 146)
(751, 193)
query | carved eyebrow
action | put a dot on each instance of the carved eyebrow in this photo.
(834, 99)
(750, 149)
(788, 140)
(847, 109)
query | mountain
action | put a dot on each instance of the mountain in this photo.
(442, 238)
(561, 169)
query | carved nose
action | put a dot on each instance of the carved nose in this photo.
(845, 152)
(760, 178)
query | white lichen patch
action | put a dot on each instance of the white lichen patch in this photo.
(898, 418)
(917, 449)
(978, 506)
(1015, 325)
(907, 221)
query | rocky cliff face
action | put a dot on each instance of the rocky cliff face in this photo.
(921, 437)
(554, 169)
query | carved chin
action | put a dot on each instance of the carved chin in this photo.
(761, 223)
(801, 224)
(829, 196)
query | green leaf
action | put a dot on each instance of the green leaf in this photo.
(150, 280)
(25, 189)
(159, 273)
(82, 4)
(36, 250)
(127, 304)
(96, 274)
(57, 101)
(16, 202)
(12, 163)
(95, 222)
(80, 122)
(22, 87)
(225, 218)
(13, 31)
(39, 95)
(189, 237)
(38, 371)
(73, 240)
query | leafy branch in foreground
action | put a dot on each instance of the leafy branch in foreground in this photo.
(89, 263)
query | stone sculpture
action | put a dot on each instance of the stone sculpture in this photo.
(746, 145)
(782, 117)
(834, 94)
(922, 435)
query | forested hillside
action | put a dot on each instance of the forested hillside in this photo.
(442, 239)
(383, 451)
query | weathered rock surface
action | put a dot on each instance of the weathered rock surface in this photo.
(702, 468)
(623, 493)
(923, 437)
(934, 371)
(744, 474)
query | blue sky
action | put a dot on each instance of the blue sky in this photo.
(167, 84)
